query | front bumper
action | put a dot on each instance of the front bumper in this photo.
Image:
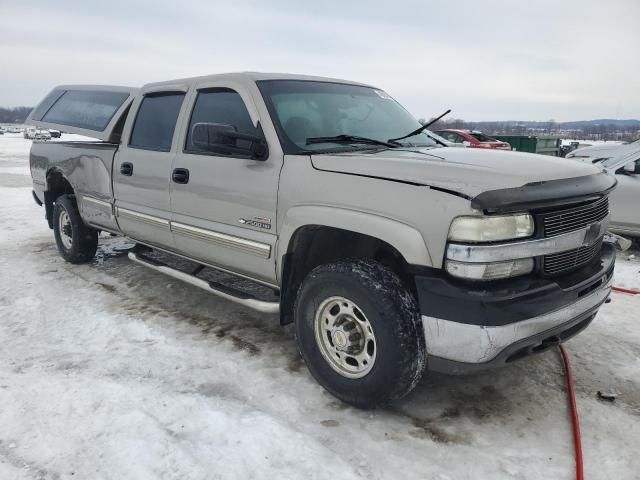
(471, 328)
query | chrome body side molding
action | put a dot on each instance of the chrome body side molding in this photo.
(246, 246)
(97, 203)
(142, 217)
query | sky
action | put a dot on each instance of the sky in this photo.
(484, 59)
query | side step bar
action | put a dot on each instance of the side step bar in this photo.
(211, 287)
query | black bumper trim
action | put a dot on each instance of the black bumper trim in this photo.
(508, 301)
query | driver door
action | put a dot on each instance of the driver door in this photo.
(224, 206)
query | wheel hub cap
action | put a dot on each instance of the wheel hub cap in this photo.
(339, 339)
(64, 224)
(345, 337)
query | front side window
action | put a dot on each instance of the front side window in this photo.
(156, 121)
(224, 108)
(304, 110)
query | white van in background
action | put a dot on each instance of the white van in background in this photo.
(598, 153)
(33, 133)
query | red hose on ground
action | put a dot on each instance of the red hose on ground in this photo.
(626, 290)
(571, 393)
(577, 442)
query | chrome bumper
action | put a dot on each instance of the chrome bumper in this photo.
(461, 342)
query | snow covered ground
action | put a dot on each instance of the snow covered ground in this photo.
(109, 371)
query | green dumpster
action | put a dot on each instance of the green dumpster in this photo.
(533, 144)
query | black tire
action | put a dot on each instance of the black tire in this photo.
(391, 310)
(84, 239)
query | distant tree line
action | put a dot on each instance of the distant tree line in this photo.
(583, 130)
(14, 115)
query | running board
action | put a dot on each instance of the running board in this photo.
(218, 289)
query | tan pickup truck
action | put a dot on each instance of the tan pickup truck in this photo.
(392, 254)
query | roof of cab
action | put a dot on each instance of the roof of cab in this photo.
(242, 77)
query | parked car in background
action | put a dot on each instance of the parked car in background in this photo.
(473, 139)
(43, 135)
(625, 199)
(597, 153)
(55, 133)
(33, 133)
(441, 140)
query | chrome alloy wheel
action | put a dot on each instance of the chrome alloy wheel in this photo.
(345, 337)
(64, 226)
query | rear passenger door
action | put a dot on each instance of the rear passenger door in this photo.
(142, 167)
(225, 213)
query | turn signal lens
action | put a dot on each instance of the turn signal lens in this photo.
(489, 271)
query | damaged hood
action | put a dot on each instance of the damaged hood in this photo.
(469, 171)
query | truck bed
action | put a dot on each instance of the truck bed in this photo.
(87, 166)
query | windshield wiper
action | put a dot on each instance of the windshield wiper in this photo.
(421, 129)
(351, 139)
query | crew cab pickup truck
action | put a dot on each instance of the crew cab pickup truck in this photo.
(391, 254)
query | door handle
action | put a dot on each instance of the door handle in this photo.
(180, 175)
(126, 169)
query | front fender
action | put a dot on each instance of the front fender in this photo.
(404, 238)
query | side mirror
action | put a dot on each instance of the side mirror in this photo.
(632, 168)
(224, 139)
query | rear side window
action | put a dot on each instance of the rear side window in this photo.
(90, 109)
(220, 106)
(156, 121)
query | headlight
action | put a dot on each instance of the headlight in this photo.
(490, 229)
(489, 271)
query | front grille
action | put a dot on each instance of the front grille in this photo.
(558, 222)
(571, 259)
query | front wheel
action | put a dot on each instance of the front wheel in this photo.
(359, 331)
(76, 242)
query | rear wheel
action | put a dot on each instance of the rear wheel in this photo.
(359, 332)
(76, 242)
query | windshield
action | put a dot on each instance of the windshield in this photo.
(304, 110)
(620, 160)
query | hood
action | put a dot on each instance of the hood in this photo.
(469, 171)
